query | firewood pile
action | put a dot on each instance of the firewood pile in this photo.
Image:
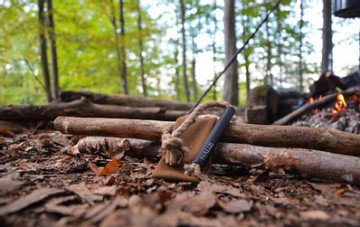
(96, 168)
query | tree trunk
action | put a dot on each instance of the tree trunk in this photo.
(124, 100)
(84, 108)
(177, 73)
(301, 42)
(122, 49)
(52, 37)
(306, 163)
(193, 70)
(326, 60)
(43, 49)
(141, 47)
(117, 46)
(262, 135)
(214, 49)
(269, 77)
(184, 68)
(296, 114)
(231, 84)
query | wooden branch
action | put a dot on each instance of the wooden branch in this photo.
(263, 135)
(316, 104)
(84, 108)
(123, 100)
(306, 163)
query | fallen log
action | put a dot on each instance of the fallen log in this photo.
(123, 100)
(304, 162)
(84, 108)
(296, 114)
(262, 135)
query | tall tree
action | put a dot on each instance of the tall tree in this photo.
(54, 60)
(213, 45)
(301, 42)
(122, 49)
(141, 49)
(327, 45)
(183, 35)
(269, 53)
(43, 49)
(118, 48)
(231, 86)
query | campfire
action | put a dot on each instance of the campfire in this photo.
(343, 115)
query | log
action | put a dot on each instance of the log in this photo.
(304, 162)
(316, 104)
(262, 135)
(84, 108)
(123, 100)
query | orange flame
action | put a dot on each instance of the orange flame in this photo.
(311, 100)
(340, 104)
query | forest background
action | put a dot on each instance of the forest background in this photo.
(136, 47)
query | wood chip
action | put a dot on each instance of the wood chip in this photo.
(33, 197)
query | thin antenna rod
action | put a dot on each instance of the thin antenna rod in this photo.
(234, 57)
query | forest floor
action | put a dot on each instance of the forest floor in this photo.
(44, 183)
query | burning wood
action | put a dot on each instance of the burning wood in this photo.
(319, 103)
(344, 115)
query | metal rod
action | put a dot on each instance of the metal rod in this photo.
(234, 57)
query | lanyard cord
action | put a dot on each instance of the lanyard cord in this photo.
(234, 57)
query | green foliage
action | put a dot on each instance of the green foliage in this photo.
(86, 46)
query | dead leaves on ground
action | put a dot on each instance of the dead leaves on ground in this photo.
(44, 182)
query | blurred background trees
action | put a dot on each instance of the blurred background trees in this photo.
(165, 48)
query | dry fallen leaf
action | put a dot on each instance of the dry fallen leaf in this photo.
(236, 206)
(314, 214)
(25, 201)
(200, 204)
(280, 161)
(9, 183)
(84, 192)
(110, 168)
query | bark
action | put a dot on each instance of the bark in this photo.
(301, 42)
(177, 73)
(124, 100)
(54, 62)
(118, 48)
(269, 76)
(214, 48)
(183, 35)
(193, 75)
(122, 50)
(316, 104)
(141, 47)
(8, 127)
(263, 135)
(84, 108)
(326, 60)
(304, 162)
(231, 86)
(43, 49)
